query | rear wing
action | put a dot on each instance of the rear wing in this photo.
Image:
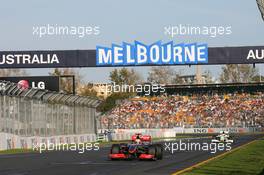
(143, 138)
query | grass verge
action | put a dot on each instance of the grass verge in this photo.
(248, 160)
(16, 151)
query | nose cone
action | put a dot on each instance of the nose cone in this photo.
(132, 149)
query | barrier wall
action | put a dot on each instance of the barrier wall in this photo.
(10, 141)
(125, 134)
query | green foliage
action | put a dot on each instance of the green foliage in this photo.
(258, 78)
(121, 76)
(66, 84)
(125, 76)
(111, 101)
(87, 90)
(161, 75)
(236, 73)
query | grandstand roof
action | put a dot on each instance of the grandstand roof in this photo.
(214, 85)
(220, 88)
(11, 89)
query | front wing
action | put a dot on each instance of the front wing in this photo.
(226, 141)
(126, 156)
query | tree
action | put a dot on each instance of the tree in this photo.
(115, 77)
(65, 84)
(87, 90)
(12, 72)
(125, 76)
(258, 78)
(110, 101)
(161, 75)
(208, 77)
(177, 79)
(122, 76)
(236, 73)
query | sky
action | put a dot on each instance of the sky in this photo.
(126, 20)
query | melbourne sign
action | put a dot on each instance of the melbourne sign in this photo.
(134, 54)
(157, 53)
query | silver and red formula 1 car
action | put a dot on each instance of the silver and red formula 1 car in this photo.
(141, 147)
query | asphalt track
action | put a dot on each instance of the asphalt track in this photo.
(97, 163)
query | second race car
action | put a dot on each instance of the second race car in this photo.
(223, 137)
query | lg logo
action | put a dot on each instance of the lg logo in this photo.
(39, 85)
(24, 85)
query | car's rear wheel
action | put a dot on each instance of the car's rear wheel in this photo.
(115, 149)
(159, 152)
(152, 150)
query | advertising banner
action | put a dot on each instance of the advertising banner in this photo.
(134, 55)
(39, 82)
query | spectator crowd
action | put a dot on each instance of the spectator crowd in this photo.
(229, 110)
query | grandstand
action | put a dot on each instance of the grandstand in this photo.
(217, 105)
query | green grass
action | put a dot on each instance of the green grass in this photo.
(248, 160)
(16, 151)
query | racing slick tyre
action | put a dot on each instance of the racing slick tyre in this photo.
(152, 150)
(115, 149)
(159, 152)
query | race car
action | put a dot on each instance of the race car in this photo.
(223, 137)
(141, 148)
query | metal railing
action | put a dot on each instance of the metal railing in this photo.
(35, 112)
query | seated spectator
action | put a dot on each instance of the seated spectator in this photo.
(230, 110)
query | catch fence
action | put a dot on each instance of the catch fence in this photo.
(35, 112)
